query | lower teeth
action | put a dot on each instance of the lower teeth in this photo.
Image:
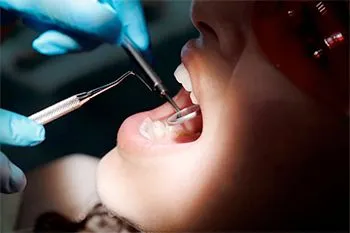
(193, 98)
(160, 131)
(153, 129)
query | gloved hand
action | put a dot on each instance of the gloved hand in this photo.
(19, 131)
(64, 23)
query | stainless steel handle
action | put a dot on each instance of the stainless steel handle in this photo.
(57, 110)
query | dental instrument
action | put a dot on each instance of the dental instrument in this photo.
(74, 102)
(184, 115)
(154, 80)
(155, 83)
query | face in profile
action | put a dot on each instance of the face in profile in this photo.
(268, 152)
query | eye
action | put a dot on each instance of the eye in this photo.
(308, 42)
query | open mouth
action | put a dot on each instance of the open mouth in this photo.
(151, 128)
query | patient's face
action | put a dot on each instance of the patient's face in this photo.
(254, 159)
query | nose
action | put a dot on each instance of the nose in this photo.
(222, 24)
(202, 18)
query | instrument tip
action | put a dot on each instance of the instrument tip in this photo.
(172, 102)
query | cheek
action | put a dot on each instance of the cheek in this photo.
(215, 74)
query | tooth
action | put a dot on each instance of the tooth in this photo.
(146, 128)
(182, 76)
(159, 129)
(153, 129)
(193, 98)
(179, 73)
(187, 85)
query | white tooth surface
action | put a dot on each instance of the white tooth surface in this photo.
(159, 129)
(193, 98)
(178, 73)
(146, 128)
(187, 85)
(153, 130)
(182, 76)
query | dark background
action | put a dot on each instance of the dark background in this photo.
(30, 82)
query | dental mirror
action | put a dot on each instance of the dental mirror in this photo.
(184, 115)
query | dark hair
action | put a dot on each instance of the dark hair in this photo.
(99, 219)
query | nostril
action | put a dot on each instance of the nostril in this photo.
(205, 28)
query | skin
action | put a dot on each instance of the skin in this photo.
(270, 157)
(53, 187)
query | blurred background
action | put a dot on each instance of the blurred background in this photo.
(30, 82)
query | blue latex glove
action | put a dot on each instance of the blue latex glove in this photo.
(19, 131)
(69, 25)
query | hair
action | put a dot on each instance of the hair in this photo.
(99, 219)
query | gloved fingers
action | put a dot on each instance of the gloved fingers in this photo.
(12, 179)
(136, 28)
(132, 18)
(88, 16)
(19, 130)
(11, 5)
(54, 42)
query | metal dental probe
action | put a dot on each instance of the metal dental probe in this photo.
(74, 102)
(128, 46)
(157, 84)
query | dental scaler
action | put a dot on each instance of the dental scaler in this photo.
(152, 81)
(74, 102)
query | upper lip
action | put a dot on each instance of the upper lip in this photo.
(189, 57)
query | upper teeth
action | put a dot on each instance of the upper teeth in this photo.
(182, 76)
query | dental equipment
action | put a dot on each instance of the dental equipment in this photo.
(154, 80)
(184, 115)
(74, 102)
